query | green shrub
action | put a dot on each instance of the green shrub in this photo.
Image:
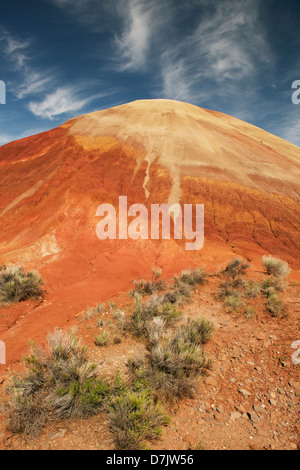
(58, 383)
(252, 289)
(271, 284)
(101, 339)
(17, 285)
(174, 360)
(236, 268)
(27, 414)
(191, 277)
(93, 311)
(276, 267)
(153, 307)
(134, 419)
(179, 293)
(155, 330)
(234, 301)
(119, 317)
(275, 305)
(149, 287)
(195, 331)
(226, 290)
(117, 339)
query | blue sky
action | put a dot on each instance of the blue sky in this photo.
(64, 58)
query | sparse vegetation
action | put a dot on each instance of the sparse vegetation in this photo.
(17, 285)
(233, 289)
(149, 287)
(278, 271)
(236, 268)
(155, 306)
(58, 383)
(117, 339)
(252, 289)
(196, 331)
(174, 359)
(275, 305)
(134, 418)
(191, 277)
(225, 291)
(234, 301)
(93, 311)
(276, 267)
(273, 284)
(101, 339)
(250, 312)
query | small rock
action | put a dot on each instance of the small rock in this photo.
(202, 407)
(208, 418)
(235, 415)
(273, 402)
(260, 336)
(211, 381)
(187, 439)
(218, 417)
(254, 418)
(222, 358)
(59, 435)
(259, 408)
(244, 392)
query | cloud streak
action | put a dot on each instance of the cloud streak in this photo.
(63, 100)
(226, 47)
(30, 81)
(133, 43)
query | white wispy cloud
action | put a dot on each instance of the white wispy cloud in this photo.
(135, 25)
(14, 49)
(133, 43)
(289, 127)
(49, 100)
(93, 13)
(227, 46)
(63, 100)
(28, 80)
(33, 83)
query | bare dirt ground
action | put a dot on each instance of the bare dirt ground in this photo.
(249, 400)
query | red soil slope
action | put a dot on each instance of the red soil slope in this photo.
(153, 152)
